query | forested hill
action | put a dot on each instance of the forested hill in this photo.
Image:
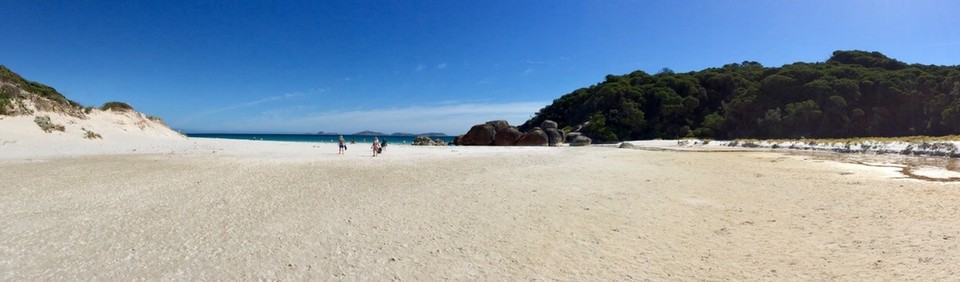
(852, 94)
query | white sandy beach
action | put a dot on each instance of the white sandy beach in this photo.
(144, 202)
(189, 209)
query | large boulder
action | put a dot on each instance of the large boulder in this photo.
(422, 141)
(499, 124)
(507, 137)
(534, 137)
(581, 140)
(548, 124)
(481, 134)
(457, 140)
(571, 136)
(626, 145)
(554, 138)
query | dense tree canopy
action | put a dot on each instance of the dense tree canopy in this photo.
(854, 93)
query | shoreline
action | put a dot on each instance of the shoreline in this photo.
(935, 167)
(936, 148)
(925, 164)
(316, 138)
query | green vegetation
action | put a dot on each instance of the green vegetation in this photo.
(47, 125)
(91, 135)
(7, 92)
(8, 76)
(854, 93)
(116, 106)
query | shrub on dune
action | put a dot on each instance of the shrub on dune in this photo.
(47, 125)
(116, 106)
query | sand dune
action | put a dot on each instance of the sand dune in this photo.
(119, 132)
(219, 209)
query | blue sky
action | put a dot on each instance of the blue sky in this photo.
(418, 66)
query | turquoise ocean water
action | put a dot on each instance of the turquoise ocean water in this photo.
(311, 137)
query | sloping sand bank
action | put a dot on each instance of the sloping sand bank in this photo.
(471, 213)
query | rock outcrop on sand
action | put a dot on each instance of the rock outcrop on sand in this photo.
(554, 137)
(548, 124)
(499, 124)
(507, 136)
(534, 137)
(481, 134)
(500, 133)
(580, 140)
(424, 140)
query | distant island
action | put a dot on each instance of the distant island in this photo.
(369, 133)
(430, 134)
(397, 134)
(434, 134)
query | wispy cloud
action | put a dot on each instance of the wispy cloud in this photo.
(442, 66)
(445, 117)
(421, 67)
(252, 103)
(527, 71)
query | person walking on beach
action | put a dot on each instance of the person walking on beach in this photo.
(343, 145)
(375, 146)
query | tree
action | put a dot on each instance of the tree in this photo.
(665, 71)
(854, 93)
